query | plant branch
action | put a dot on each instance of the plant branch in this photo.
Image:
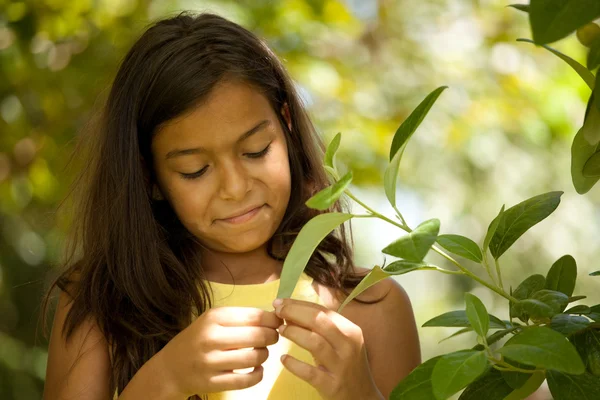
(498, 273)
(465, 271)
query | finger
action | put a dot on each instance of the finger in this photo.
(315, 376)
(239, 316)
(237, 381)
(231, 360)
(323, 321)
(236, 337)
(321, 350)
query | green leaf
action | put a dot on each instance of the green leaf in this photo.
(568, 324)
(492, 229)
(494, 337)
(461, 246)
(415, 245)
(402, 267)
(552, 20)
(459, 318)
(573, 387)
(328, 196)
(529, 387)
(583, 72)
(591, 168)
(533, 308)
(595, 273)
(375, 275)
(593, 58)
(575, 298)
(410, 125)
(580, 309)
(459, 332)
(556, 300)
(311, 234)
(390, 177)
(516, 379)
(489, 386)
(417, 385)
(585, 143)
(542, 347)
(520, 7)
(562, 275)
(401, 137)
(524, 291)
(477, 314)
(332, 148)
(518, 219)
(456, 370)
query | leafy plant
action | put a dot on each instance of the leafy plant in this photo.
(550, 342)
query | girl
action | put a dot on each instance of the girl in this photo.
(192, 195)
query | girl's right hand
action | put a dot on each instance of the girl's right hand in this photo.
(201, 358)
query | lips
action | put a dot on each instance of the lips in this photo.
(240, 213)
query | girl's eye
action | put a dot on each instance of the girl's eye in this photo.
(260, 154)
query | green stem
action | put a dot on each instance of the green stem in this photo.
(498, 273)
(404, 227)
(486, 264)
(400, 216)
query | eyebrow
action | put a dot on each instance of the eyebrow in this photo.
(182, 152)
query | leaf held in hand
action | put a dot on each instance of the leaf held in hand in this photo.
(311, 234)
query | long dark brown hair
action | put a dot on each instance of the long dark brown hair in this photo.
(129, 263)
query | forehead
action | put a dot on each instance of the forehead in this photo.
(231, 109)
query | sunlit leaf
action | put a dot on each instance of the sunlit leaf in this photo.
(518, 219)
(415, 245)
(332, 148)
(328, 196)
(311, 234)
(401, 137)
(461, 246)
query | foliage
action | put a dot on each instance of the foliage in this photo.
(549, 342)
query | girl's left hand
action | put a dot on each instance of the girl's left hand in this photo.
(337, 346)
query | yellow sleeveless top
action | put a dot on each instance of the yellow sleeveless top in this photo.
(278, 383)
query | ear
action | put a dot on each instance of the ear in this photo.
(285, 111)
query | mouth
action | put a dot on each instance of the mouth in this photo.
(243, 217)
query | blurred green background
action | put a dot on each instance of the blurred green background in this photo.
(500, 134)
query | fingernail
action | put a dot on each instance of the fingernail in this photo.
(281, 329)
(277, 302)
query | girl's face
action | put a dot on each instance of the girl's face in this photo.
(224, 158)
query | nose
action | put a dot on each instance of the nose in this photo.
(235, 181)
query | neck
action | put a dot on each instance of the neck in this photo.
(248, 268)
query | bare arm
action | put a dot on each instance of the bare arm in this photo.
(80, 368)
